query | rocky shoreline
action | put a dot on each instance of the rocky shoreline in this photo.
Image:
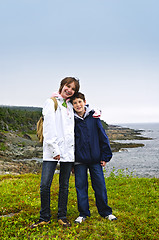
(16, 152)
(117, 133)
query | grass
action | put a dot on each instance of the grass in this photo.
(134, 202)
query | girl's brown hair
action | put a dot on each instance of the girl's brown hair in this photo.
(69, 80)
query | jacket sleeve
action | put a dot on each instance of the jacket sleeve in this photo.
(106, 153)
(49, 129)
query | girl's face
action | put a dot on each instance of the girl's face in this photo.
(68, 90)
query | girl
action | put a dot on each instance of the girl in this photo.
(58, 146)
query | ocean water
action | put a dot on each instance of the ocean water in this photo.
(142, 161)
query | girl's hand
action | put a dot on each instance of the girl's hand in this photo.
(57, 157)
(102, 163)
(73, 170)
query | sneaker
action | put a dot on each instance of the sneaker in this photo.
(64, 222)
(40, 223)
(80, 219)
(111, 217)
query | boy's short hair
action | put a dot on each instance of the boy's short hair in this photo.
(78, 95)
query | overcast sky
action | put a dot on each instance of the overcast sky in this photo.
(112, 46)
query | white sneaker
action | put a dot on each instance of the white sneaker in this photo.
(80, 219)
(111, 217)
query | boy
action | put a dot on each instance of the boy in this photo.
(92, 151)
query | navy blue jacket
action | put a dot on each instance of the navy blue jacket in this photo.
(91, 142)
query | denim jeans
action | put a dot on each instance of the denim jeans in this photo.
(48, 170)
(99, 187)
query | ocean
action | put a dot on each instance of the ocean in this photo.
(142, 161)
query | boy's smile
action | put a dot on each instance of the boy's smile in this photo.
(79, 106)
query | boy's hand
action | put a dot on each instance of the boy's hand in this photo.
(102, 163)
(57, 157)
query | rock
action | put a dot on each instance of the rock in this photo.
(119, 133)
(123, 150)
(27, 136)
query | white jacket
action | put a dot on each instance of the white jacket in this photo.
(58, 131)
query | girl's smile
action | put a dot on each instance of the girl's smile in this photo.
(68, 90)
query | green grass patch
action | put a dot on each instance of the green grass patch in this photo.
(33, 136)
(3, 147)
(134, 202)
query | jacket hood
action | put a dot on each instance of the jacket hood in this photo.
(95, 112)
(87, 112)
(58, 96)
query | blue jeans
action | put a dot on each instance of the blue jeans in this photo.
(48, 170)
(98, 184)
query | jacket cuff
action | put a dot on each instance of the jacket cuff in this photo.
(55, 153)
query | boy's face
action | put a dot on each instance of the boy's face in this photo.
(79, 106)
